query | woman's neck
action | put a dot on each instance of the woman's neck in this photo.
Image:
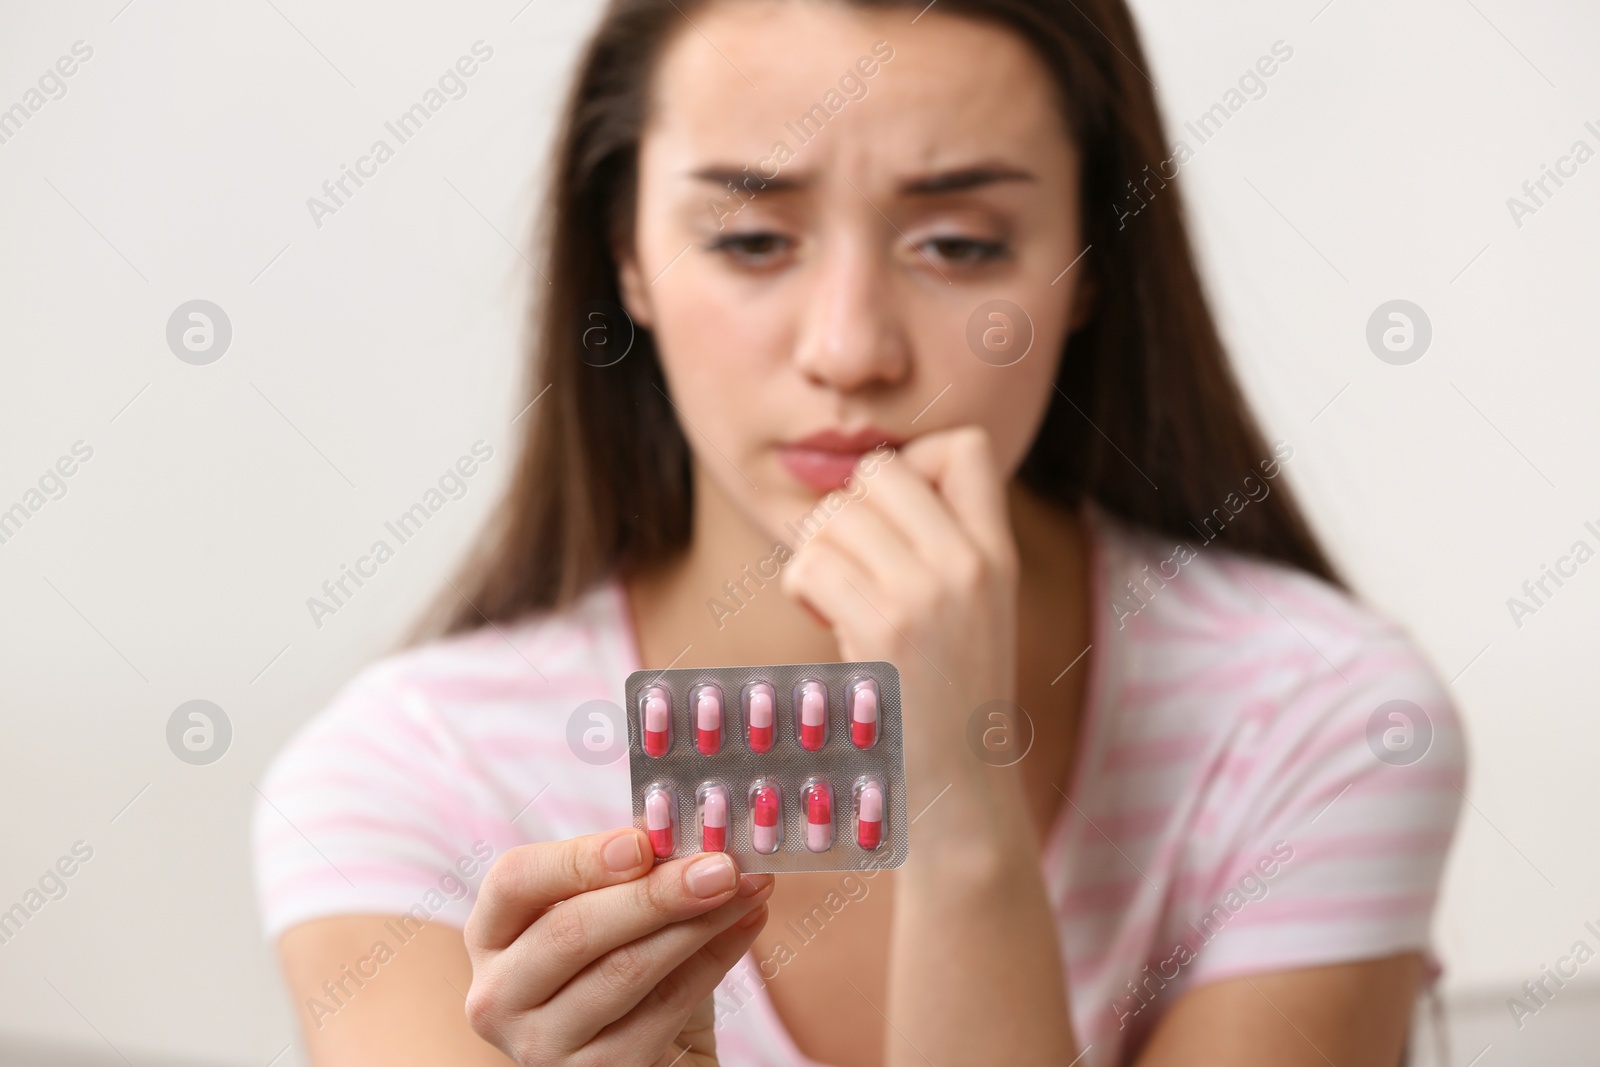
(719, 601)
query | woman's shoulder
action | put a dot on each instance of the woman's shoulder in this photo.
(546, 657)
(1183, 600)
(1251, 712)
(533, 655)
(465, 716)
(1167, 588)
(429, 760)
(1264, 653)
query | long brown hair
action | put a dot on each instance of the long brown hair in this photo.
(1146, 418)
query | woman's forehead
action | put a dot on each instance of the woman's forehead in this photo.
(833, 83)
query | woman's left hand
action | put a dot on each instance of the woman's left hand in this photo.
(920, 568)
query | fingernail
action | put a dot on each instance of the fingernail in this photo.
(755, 916)
(751, 884)
(622, 853)
(710, 876)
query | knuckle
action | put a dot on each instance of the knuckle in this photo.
(675, 992)
(504, 881)
(498, 881)
(566, 930)
(901, 606)
(483, 1008)
(974, 438)
(570, 865)
(538, 1041)
(886, 638)
(624, 968)
(897, 618)
(793, 575)
(824, 540)
(472, 933)
(660, 893)
(966, 571)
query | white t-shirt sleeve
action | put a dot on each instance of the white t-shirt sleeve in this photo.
(1345, 816)
(359, 814)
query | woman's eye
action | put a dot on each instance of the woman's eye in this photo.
(965, 251)
(751, 248)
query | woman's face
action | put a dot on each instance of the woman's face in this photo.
(914, 174)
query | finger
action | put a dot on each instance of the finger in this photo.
(877, 545)
(574, 934)
(830, 582)
(615, 984)
(660, 1017)
(906, 497)
(527, 879)
(960, 463)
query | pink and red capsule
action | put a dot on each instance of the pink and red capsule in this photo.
(766, 821)
(811, 697)
(765, 798)
(867, 798)
(862, 700)
(861, 705)
(811, 716)
(765, 801)
(660, 818)
(713, 808)
(659, 809)
(760, 709)
(706, 701)
(656, 708)
(819, 815)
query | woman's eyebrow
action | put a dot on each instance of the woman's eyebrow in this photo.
(726, 174)
(960, 179)
(963, 178)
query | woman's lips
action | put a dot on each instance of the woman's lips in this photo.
(820, 469)
(823, 461)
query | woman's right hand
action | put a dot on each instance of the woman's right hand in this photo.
(587, 952)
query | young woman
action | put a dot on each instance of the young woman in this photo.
(836, 226)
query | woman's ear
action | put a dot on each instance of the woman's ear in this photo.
(635, 294)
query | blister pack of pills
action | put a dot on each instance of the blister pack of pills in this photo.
(787, 767)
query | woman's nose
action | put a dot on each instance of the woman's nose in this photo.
(850, 335)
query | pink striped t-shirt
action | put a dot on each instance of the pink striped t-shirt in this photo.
(1268, 777)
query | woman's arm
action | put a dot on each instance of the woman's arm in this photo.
(410, 1011)
(578, 952)
(922, 571)
(1347, 1014)
(975, 972)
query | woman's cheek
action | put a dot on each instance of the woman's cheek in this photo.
(1009, 402)
(726, 376)
(692, 342)
(1016, 415)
